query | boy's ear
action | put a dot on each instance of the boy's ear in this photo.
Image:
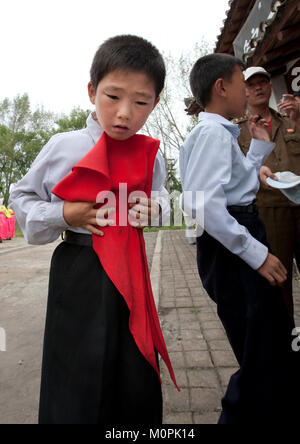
(92, 93)
(156, 102)
(220, 87)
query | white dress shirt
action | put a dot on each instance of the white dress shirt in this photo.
(211, 161)
(39, 212)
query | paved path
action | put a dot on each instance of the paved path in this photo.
(196, 340)
(198, 347)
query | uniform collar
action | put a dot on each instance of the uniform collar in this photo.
(231, 127)
(275, 114)
(93, 127)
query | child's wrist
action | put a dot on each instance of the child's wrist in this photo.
(66, 214)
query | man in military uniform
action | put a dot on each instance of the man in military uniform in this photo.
(281, 216)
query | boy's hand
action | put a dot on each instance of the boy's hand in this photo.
(273, 271)
(84, 215)
(143, 211)
(291, 107)
(258, 128)
(266, 172)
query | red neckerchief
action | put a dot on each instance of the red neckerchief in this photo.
(270, 126)
(122, 249)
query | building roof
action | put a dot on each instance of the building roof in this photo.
(273, 41)
(236, 16)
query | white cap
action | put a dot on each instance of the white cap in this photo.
(289, 184)
(255, 70)
(286, 180)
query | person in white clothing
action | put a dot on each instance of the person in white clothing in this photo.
(235, 264)
(94, 372)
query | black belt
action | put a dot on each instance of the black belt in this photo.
(84, 240)
(249, 209)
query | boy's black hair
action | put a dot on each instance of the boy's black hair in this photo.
(129, 53)
(207, 71)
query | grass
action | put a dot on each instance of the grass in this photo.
(18, 233)
(153, 229)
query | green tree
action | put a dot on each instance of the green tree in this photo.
(24, 132)
(22, 135)
(75, 121)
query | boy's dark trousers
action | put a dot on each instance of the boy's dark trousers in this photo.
(259, 328)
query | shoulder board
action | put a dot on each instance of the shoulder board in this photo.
(240, 120)
(279, 114)
(283, 115)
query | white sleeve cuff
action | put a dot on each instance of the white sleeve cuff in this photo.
(259, 152)
(255, 255)
(55, 215)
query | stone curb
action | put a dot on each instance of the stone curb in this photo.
(155, 274)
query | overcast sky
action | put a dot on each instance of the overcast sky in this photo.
(47, 47)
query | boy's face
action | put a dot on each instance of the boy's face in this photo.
(124, 100)
(236, 102)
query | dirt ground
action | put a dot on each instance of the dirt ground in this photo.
(23, 282)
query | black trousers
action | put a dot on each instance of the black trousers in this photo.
(93, 372)
(259, 328)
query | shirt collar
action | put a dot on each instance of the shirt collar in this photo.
(94, 128)
(232, 127)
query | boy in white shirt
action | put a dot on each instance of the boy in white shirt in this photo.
(102, 334)
(235, 264)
